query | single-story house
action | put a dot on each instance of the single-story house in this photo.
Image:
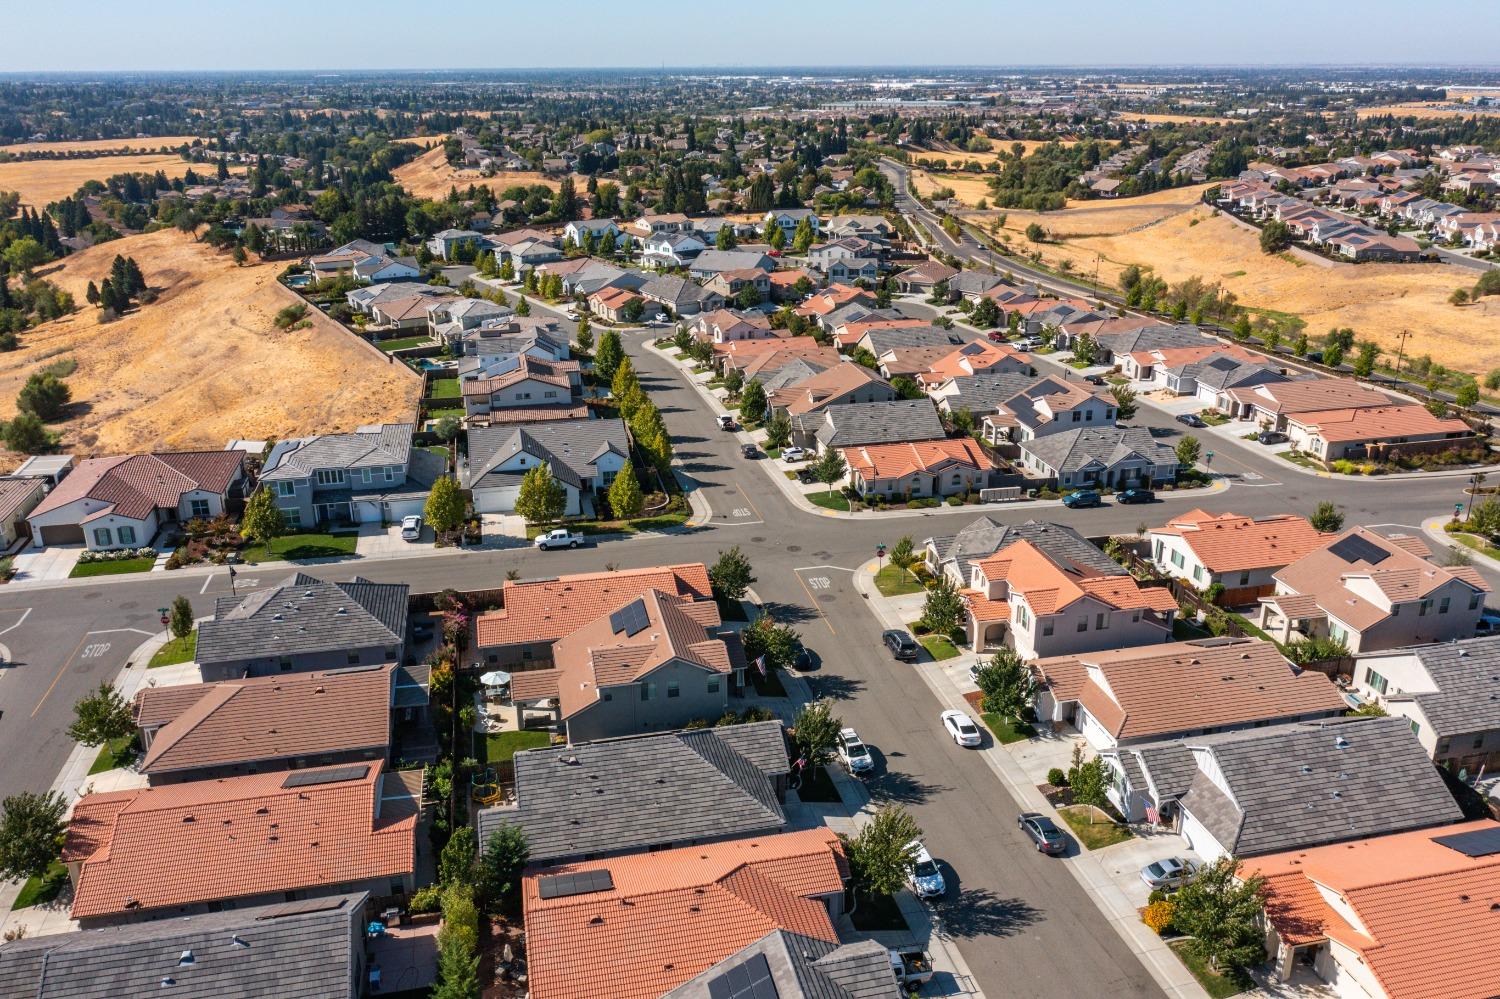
(1271, 405)
(1102, 458)
(892, 422)
(1446, 690)
(1375, 432)
(922, 278)
(18, 497)
(1236, 552)
(926, 468)
(584, 456)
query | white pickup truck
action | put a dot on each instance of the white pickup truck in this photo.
(560, 538)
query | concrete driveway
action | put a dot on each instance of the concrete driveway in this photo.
(375, 541)
(39, 564)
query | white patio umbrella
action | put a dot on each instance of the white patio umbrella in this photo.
(495, 678)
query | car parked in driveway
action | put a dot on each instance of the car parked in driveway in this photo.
(1080, 498)
(1135, 496)
(901, 644)
(1191, 420)
(1169, 872)
(1272, 437)
(853, 753)
(962, 728)
(924, 875)
(411, 528)
(795, 453)
(1044, 833)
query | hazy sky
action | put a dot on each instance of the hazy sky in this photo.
(500, 34)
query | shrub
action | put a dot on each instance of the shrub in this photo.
(955, 501)
(1057, 778)
(1159, 915)
(426, 899)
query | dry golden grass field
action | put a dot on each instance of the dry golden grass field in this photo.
(430, 176)
(969, 188)
(1174, 119)
(43, 181)
(1378, 301)
(152, 144)
(1424, 109)
(1101, 217)
(203, 364)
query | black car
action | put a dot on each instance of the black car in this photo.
(806, 476)
(1272, 437)
(749, 450)
(1135, 496)
(1094, 379)
(1044, 833)
(902, 645)
(1191, 420)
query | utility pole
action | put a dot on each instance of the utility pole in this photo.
(1401, 351)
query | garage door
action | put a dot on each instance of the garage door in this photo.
(496, 500)
(63, 534)
(406, 508)
(1200, 839)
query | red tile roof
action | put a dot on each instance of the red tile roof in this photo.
(1377, 423)
(134, 485)
(1229, 542)
(673, 914)
(242, 836)
(547, 609)
(1049, 587)
(894, 461)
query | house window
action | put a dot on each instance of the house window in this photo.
(1156, 551)
(285, 663)
(102, 537)
(1083, 624)
(293, 517)
(1101, 621)
(1047, 628)
(1197, 573)
(330, 476)
(1077, 416)
(199, 508)
(1423, 608)
(1443, 605)
(285, 488)
(1177, 559)
(1135, 617)
(648, 690)
(672, 689)
(1244, 579)
(1375, 681)
(1415, 728)
(713, 685)
(549, 394)
(390, 653)
(126, 535)
(1474, 601)
(1478, 741)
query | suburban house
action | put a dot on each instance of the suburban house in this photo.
(953, 467)
(1118, 337)
(366, 262)
(364, 300)
(876, 228)
(727, 326)
(653, 939)
(924, 277)
(1283, 787)
(977, 357)
(844, 248)
(370, 476)
(1042, 604)
(842, 384)
(584, 456)
(614, 304)
(528, 384)
(789, 218)
(955, 555)
(18, 498)
(534, 615)
(1387, 917)
(800, 967)
(124, 501)
(1376, 432)
(1447, 691)
(851, 269)
(656, 661)
(671, 249)
(579, 230)
(158, 852)
(733, 283)
(859, 424)
(1373, 592)
(410, 312)
(449, 318)
(710, 263)
(1271, 405)
(911, 361)
(303, 624)
(1099, 458)
(654, 792)
(648, 225)
(980, 395)
(205, 731)
(449, 243)
(1048, 405)
(306, 948)
(1239, 553)
(681, 296)
(1119, 697)
(828, 301)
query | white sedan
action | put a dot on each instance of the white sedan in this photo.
(961, 727)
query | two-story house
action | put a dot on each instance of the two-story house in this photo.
(1048, 405)
(522, 383)
(671, 249)
(370, 476)
(789, 218)
(1240, 554)
(584, 457)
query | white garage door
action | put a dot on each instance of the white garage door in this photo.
(406, 508)
(1200, 839)
(496, 500)
(367, 511)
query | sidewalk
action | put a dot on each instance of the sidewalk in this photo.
(1089, 869)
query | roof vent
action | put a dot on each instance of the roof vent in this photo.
(262, 810)
(188, 818)
(187, 960)
(1306, 769)
(238, 942)
(568, 761)
(1463, 898)
(597, 921)
(1338, 795)
(1340, 742)
(276, 617)
(168, 982)
(341, 610)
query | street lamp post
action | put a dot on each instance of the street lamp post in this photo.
(1474, 482)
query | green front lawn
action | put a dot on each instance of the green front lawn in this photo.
(1102, 832)
(177, 650)
(445, 388)
(1217, 985)
(298, 547)
(1298, 458)
(1006, 730)
(1214, 419)
(38, 891)
(893, 582)
(437, 414)
(774, 452)
(829, 501)
(592, 527)
(1475, 542)
(501, 747)
(124, 565)
(114, 754)
(938, 647)
(401, 343)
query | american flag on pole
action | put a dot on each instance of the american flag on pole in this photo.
(760, 665)
(1152, 816)
(801, 762)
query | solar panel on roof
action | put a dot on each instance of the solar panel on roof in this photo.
(749, 980)
(629, 619)
(1357, 549)
(579, 883)
(309, 778)
(1474, 843)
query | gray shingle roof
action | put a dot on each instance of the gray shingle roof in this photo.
(730, 260)
(1153, 338)
(888, 422)
(1467, 676)
(981, 393)
(986, 536)
(389, 444)
(1318, 782)
(632, 793)
(1072, 450)
(807, 968)
(304, 615)
(268, 952)
(570, 447)
(882, 340)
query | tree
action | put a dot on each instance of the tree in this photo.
(458, 945)
(31, 833)
(585, 337)
(775, 236)
(902, 555)
(1437, 407)
(542, 498)
(1188, 450)
(498, 873)
(1364, 362)
(101, 717)
(830, 467)
(1008, 685)
(180, 621)
(624, 380)
(523, 307)
(1035, 233)
(262, 522)
(734, 382)
(456, 862)
(445, 506)
(1467, 394)
(1085, 348)
(1124, 397)
(1275, 237)
(1241, 330)
(1220, 915)
(507, 270)
(1090, 783)
(943, 610)
(625, 497)
(777, 642)
(815, 732)
(24, 255)
(26, 434)
(447, 428)
(731, 576)
(724, 239)
(44, 395)
(753, 403)
(986, 314)
(803, 236)
(882, 853)
(779, 430)
(609, 355)
(1327, 518)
